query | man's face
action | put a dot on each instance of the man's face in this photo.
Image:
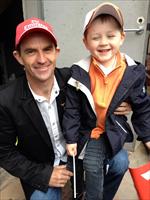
(38, 55)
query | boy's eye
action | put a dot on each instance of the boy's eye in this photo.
(95, 38)
(111, 36)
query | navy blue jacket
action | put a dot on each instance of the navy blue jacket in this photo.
(80, 116)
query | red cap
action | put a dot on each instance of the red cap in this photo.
(31, 25)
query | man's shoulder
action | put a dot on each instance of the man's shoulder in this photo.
(11, 86)
(62, 75)
(64, 71)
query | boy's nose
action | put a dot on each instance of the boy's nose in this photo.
(103, 41)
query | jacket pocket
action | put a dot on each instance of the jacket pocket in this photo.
(125, 130)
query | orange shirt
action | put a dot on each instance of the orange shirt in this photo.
(103, 88)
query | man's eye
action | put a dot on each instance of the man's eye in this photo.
(48, 49)
(29, 51)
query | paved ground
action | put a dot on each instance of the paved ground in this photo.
(10, 188)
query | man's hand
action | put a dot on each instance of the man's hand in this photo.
(71, 149)
(147, 144)
(60, 176)
(123, 109)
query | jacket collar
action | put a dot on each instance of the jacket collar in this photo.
(85, 63)
(130, 75)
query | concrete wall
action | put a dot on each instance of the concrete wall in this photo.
(67, 17)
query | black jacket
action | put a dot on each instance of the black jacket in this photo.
(80, 116)
(32, 158)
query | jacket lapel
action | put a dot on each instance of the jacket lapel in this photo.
(31, 109)
(130, 76)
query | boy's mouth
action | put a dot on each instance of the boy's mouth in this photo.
(104, 50)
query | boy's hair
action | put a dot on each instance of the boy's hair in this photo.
(103, 9)
(105, 18)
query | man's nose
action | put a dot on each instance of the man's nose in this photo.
(41, 57)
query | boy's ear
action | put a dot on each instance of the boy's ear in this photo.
(123, 35)
(85, 42)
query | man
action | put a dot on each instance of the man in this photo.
(25, 116)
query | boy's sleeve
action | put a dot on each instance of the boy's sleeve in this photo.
(71, 118)
(141, 109)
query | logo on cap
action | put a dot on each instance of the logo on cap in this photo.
(35, 24)
(30, 25)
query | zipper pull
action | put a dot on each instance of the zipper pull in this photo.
(77, 85)
(107, 168)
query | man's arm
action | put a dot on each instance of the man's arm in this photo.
(147, 144)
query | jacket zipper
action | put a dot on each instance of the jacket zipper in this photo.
(121, 126)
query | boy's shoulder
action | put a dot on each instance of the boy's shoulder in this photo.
(83, 64)
(132, 62)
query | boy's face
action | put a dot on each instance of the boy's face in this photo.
(103, 40)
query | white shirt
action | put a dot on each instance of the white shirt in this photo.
(49, 113)
(108, 70)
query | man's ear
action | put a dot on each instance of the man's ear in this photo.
(57, 50)
(16, 54)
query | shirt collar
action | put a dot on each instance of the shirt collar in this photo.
(118, 62)
(54, 92)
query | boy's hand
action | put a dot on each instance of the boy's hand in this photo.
(123, 109)
(71, 149)
(60, 176)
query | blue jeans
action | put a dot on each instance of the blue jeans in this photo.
(51, 194)
(93, 164)
(118, 165)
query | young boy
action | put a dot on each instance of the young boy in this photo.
(97, 86)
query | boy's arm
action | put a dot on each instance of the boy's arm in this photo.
(71, 118)
(140, 102)
(125, 109)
